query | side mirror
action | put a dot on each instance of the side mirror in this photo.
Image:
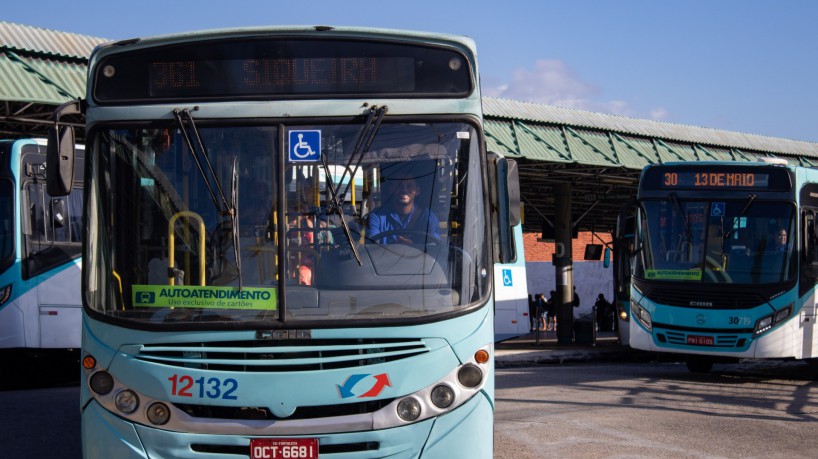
(606, 258)
(507, 205)
(60, 151)
(60, 160)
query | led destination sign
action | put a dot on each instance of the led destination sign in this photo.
(716, 177)
(295, 75)
(280, 67)
(724, 179)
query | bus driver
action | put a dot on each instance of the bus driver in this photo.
(399, 219)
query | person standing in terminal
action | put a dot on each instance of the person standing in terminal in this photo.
(551, 308)
(604, 313)
(533, 318)
(539, 299)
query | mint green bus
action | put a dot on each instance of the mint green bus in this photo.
(290, 242)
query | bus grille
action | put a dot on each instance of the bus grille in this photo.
(696, 298)
(252, 413)
(284, 356)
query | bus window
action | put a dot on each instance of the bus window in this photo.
(7, 215)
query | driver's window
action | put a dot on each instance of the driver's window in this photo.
(810, 238)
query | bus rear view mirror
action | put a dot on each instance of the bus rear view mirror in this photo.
(60, 160)
(60, 151)
(506, 202)
(606, 258)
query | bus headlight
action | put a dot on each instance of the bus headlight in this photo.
(458, 387)
(101, 382)
(782, 314)
(469, 375)
(409, 409)
(158, 413)
(5, 294)
(442, 396)
(767, 322)
(642, 315)
(127, 401)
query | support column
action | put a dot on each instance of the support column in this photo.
(563, 263)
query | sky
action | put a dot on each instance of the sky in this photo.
(739, 65)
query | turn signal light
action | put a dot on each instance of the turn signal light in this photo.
(89, 362)
(481, 356)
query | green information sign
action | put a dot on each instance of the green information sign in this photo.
(192, 296)
(674, 274)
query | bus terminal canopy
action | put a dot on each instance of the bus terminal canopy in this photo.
(602, 155)
(39, 70)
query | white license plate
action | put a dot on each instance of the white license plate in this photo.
(283, 448)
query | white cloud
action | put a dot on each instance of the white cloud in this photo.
(553, 82)
(659, 114)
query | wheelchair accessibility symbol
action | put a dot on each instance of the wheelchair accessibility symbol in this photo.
(717, 209)
(507, 278)
(305, 145)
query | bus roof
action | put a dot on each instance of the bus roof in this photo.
(301, 31)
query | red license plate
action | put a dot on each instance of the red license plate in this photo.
(698, 340)
(281, 448)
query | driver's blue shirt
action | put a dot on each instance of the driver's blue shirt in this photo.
(418, 221)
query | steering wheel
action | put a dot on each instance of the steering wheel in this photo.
(715, 267)
(406, 234)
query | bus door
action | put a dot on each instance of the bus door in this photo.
(808, 280)
(52, 234)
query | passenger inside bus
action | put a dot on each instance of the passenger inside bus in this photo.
(781, 241)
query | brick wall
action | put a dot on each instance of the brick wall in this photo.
(536, 250)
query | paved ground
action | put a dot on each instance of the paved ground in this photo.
(532, 349)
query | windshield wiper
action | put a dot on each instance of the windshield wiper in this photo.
(677, 206)
(185, 121)
(234, 215)
(360, 148)
(335, 205)
(183, 116)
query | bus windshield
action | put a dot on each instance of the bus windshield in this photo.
(721, 241)
(215, 224)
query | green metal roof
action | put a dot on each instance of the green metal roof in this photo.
(602, 155)
(523, 128)
(571, 144)
(31, 40)
(39, 69)
(29, 79)
(42, 66)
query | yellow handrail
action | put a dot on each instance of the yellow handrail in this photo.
(172, 245)
(119, 280)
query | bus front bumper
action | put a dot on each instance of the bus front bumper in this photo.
(465, 432)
